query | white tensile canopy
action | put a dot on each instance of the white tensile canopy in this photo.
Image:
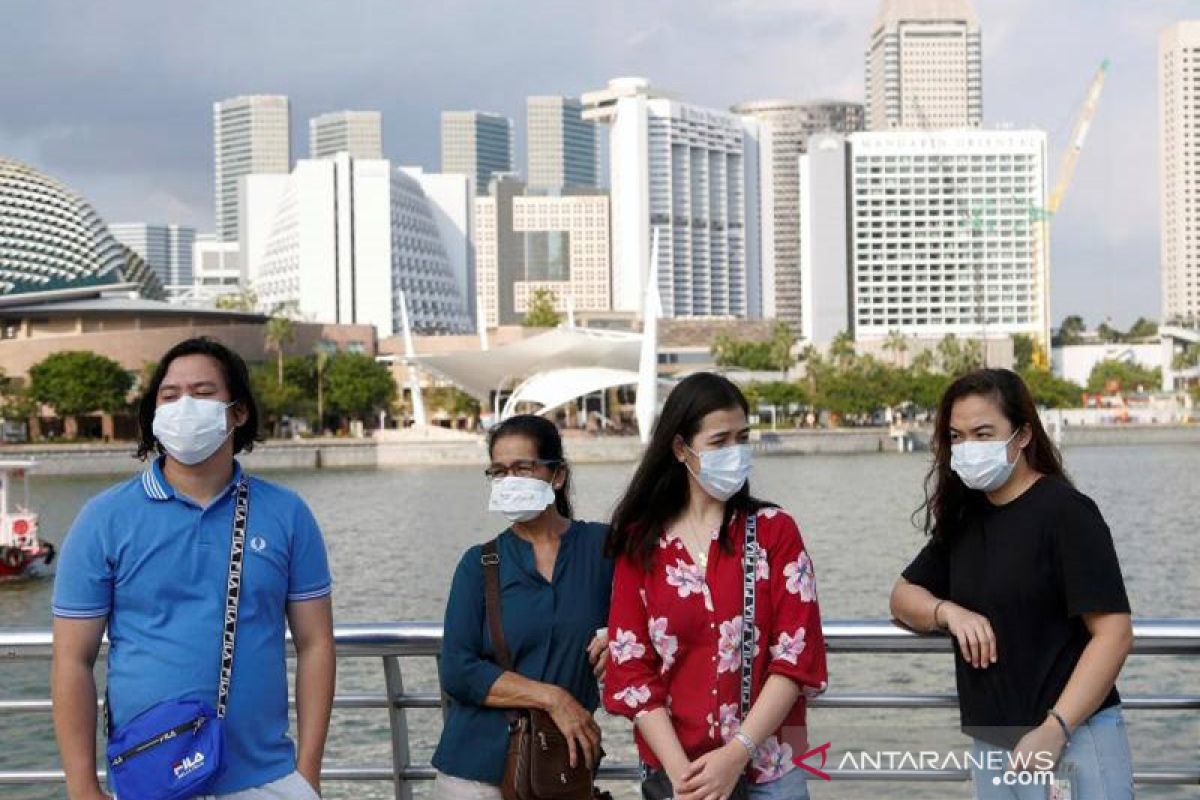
(563, 364)
(551, 368)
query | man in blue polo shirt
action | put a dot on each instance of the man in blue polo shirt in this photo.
(148, 559)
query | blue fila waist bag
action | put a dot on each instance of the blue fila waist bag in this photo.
(174, 749)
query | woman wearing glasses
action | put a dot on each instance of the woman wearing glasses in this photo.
(554, 589)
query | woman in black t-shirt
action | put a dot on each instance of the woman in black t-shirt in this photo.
(1020, 569)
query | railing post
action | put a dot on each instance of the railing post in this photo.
(398, 718)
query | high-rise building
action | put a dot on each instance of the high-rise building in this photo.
(359, 133)
(250, 136)
(942, 235)
(562, 147)
(452, 204)
(824, 255)
(924, 66)
(477, 144)
(682, 170)
(167, 249)
(216, 268)
(784, 127)
(344, 238)
(1179, 158)
(529, 240)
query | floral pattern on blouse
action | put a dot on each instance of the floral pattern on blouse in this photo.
(692, 619)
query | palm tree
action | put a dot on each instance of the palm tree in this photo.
(280, 331)
(841, 349)
(897, 344)
(322, 359)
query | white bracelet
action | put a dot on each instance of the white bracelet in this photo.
(748, 743)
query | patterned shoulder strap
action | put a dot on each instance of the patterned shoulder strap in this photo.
(749, 574)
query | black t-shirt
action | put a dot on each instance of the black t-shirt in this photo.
(1032, 567)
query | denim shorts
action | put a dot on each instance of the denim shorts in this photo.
(792, 786)
(1098, 752)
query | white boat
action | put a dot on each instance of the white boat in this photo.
(22, 553)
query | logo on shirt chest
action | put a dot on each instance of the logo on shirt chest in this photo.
(258, 544)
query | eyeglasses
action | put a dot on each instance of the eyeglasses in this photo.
(523, 468)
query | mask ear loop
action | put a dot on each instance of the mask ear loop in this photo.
(688, 466)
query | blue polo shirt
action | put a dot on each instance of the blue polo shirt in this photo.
(547, 625)
(155, 564)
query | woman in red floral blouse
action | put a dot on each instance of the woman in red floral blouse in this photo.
(676, 616)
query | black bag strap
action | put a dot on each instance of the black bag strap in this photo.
(749, 576)
(233, 591)
(491, 594)
(490, 559)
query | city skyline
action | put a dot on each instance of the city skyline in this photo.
(144, 152)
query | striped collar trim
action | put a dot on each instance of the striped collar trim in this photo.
(155, 484)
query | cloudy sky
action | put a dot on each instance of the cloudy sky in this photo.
(116, 98)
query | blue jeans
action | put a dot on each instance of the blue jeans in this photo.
(1099, 751)
(792, 786)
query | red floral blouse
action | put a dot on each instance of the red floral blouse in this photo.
(675, 640)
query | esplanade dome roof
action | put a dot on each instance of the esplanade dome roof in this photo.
(51, 238)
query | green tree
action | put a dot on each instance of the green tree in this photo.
(1186, 359)
(1123, 376)
(75, 382)
(244, 300)
(841, 349)
(281, 330)
(780, 346)
(15, 402)
(897, 344)
(276, 399)
(1142, 328)
(957, 357)
(1108, 333)
(541, 313)
(357, 385)
(1023, 350)
(1051, 391)
(1071, 331)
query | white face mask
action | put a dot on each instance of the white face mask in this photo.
(191, 430)
(724, 471)
(520, 499)
(983, 466)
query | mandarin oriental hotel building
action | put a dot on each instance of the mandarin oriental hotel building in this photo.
(942, 233)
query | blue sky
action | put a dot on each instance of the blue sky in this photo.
(116, 98)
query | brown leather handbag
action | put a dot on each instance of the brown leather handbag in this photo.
(538, 765)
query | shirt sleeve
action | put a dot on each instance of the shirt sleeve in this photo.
(83, 583)
(796, 641)
(633, 683)
(930, 569)
(308, 569)
(1087, 561)
(466, 674)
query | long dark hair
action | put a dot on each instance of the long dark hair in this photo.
(237, 382)
(658, 492)
(548, 443)
(947, 498)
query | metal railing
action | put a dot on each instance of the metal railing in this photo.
(393, 642)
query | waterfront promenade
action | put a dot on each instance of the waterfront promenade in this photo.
(467, 449)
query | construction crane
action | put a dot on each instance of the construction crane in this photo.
(1041, 217)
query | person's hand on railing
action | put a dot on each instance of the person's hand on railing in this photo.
(974, 633)
(597, 651)
(578, 726)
